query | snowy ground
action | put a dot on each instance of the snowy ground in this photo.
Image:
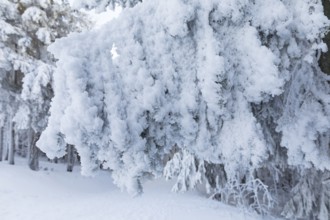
(55, 194)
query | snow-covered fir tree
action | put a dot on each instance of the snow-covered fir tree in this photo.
(27, 28)
(227, 94)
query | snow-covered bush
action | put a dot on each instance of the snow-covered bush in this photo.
(229, 86)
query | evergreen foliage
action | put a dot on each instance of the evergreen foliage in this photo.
(228, 95)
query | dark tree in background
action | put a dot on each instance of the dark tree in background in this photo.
(325, 57)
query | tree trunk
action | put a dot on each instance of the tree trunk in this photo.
(6, 140)
(6, 153)
(324, 61)
(29, 143)
(55, 160)
(1, 142)
(34, 152)
(12, 144)
(70, 157)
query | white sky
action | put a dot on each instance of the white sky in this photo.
(104, 17)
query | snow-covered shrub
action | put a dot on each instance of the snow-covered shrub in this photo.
(186, 168)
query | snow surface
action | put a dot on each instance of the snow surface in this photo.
(53, 193)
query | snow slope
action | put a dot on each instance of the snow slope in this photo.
(53, 193)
